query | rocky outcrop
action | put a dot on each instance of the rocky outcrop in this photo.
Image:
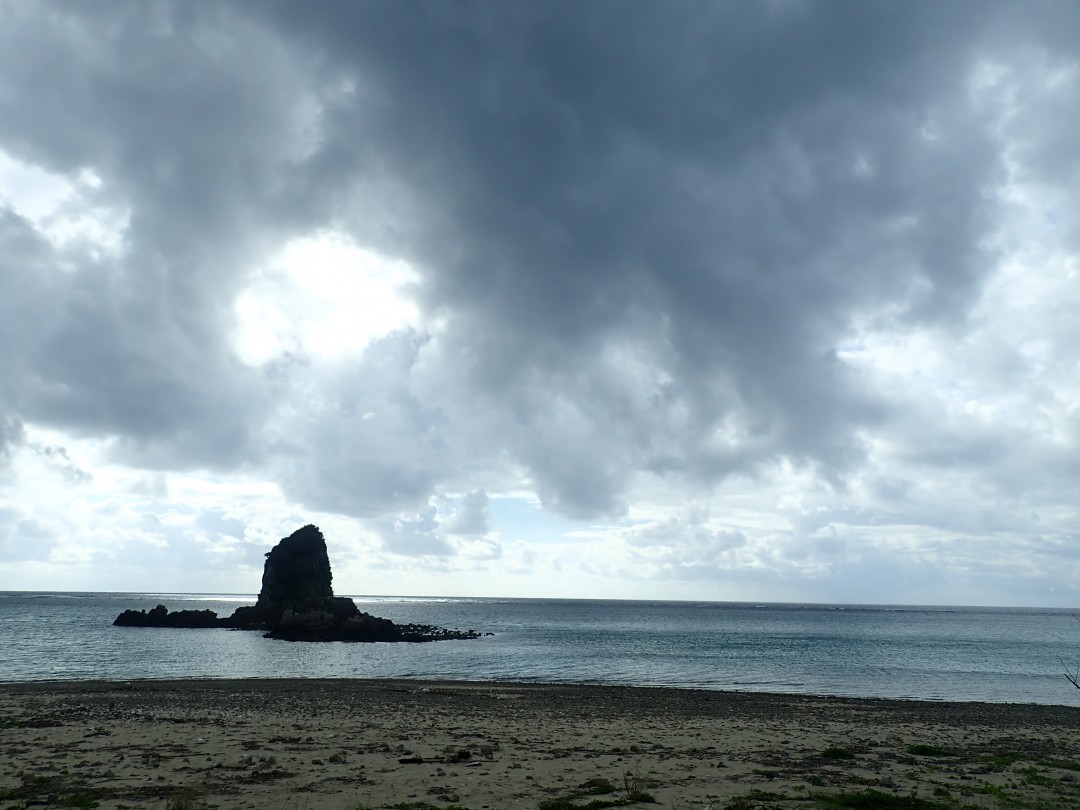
(319, 626)
(296, 581)
(161, 617)
(297, 603)
(296, 578)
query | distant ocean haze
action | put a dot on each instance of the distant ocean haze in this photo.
(988, 654)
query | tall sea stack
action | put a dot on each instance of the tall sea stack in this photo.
(296, 582)
(296, 575)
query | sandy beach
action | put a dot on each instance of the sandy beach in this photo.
(344, 744)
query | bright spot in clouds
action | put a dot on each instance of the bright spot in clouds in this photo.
(61, 208)
(323, 296)
(33, 192)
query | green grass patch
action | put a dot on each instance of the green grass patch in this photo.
(920, 750)
(758, 800)
(633, 792)
(568, 803)
(573, 802)
(187, 799)
(866, 800)
(992, 790)
(836, 753)
(1033, 776)
(1001, 760)
(35, 788)
(78, 800)
(875, 800)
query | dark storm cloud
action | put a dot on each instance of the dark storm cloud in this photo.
(643, 230)
(188, 119)
(648, 231)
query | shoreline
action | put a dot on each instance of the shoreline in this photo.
(344, 743)
(94, 684)
(956, 708)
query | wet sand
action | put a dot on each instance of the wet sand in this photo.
(340, 744)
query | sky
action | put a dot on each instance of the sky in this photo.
(769, 301)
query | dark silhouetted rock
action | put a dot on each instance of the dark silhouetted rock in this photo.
(161, 617)
(296, 576)
(296, 579)
(297, 603)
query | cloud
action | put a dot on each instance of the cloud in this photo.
(12, 434)
(417, 535)
(813, 267)
(472, 518)
(23, 539)
(640, 278)
(134, 345)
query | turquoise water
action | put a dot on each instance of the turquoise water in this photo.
(989, 654)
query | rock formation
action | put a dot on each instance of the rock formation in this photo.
(297, 581)
(161, 617)
(297, 603)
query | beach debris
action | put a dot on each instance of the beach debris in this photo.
(263, 773)
(451, 756)
(444, 794)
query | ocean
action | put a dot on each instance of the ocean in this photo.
(1008, 655)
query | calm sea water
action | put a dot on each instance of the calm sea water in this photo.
(989, 654)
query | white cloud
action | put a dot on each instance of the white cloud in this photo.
(66, 210)
(323, 296)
